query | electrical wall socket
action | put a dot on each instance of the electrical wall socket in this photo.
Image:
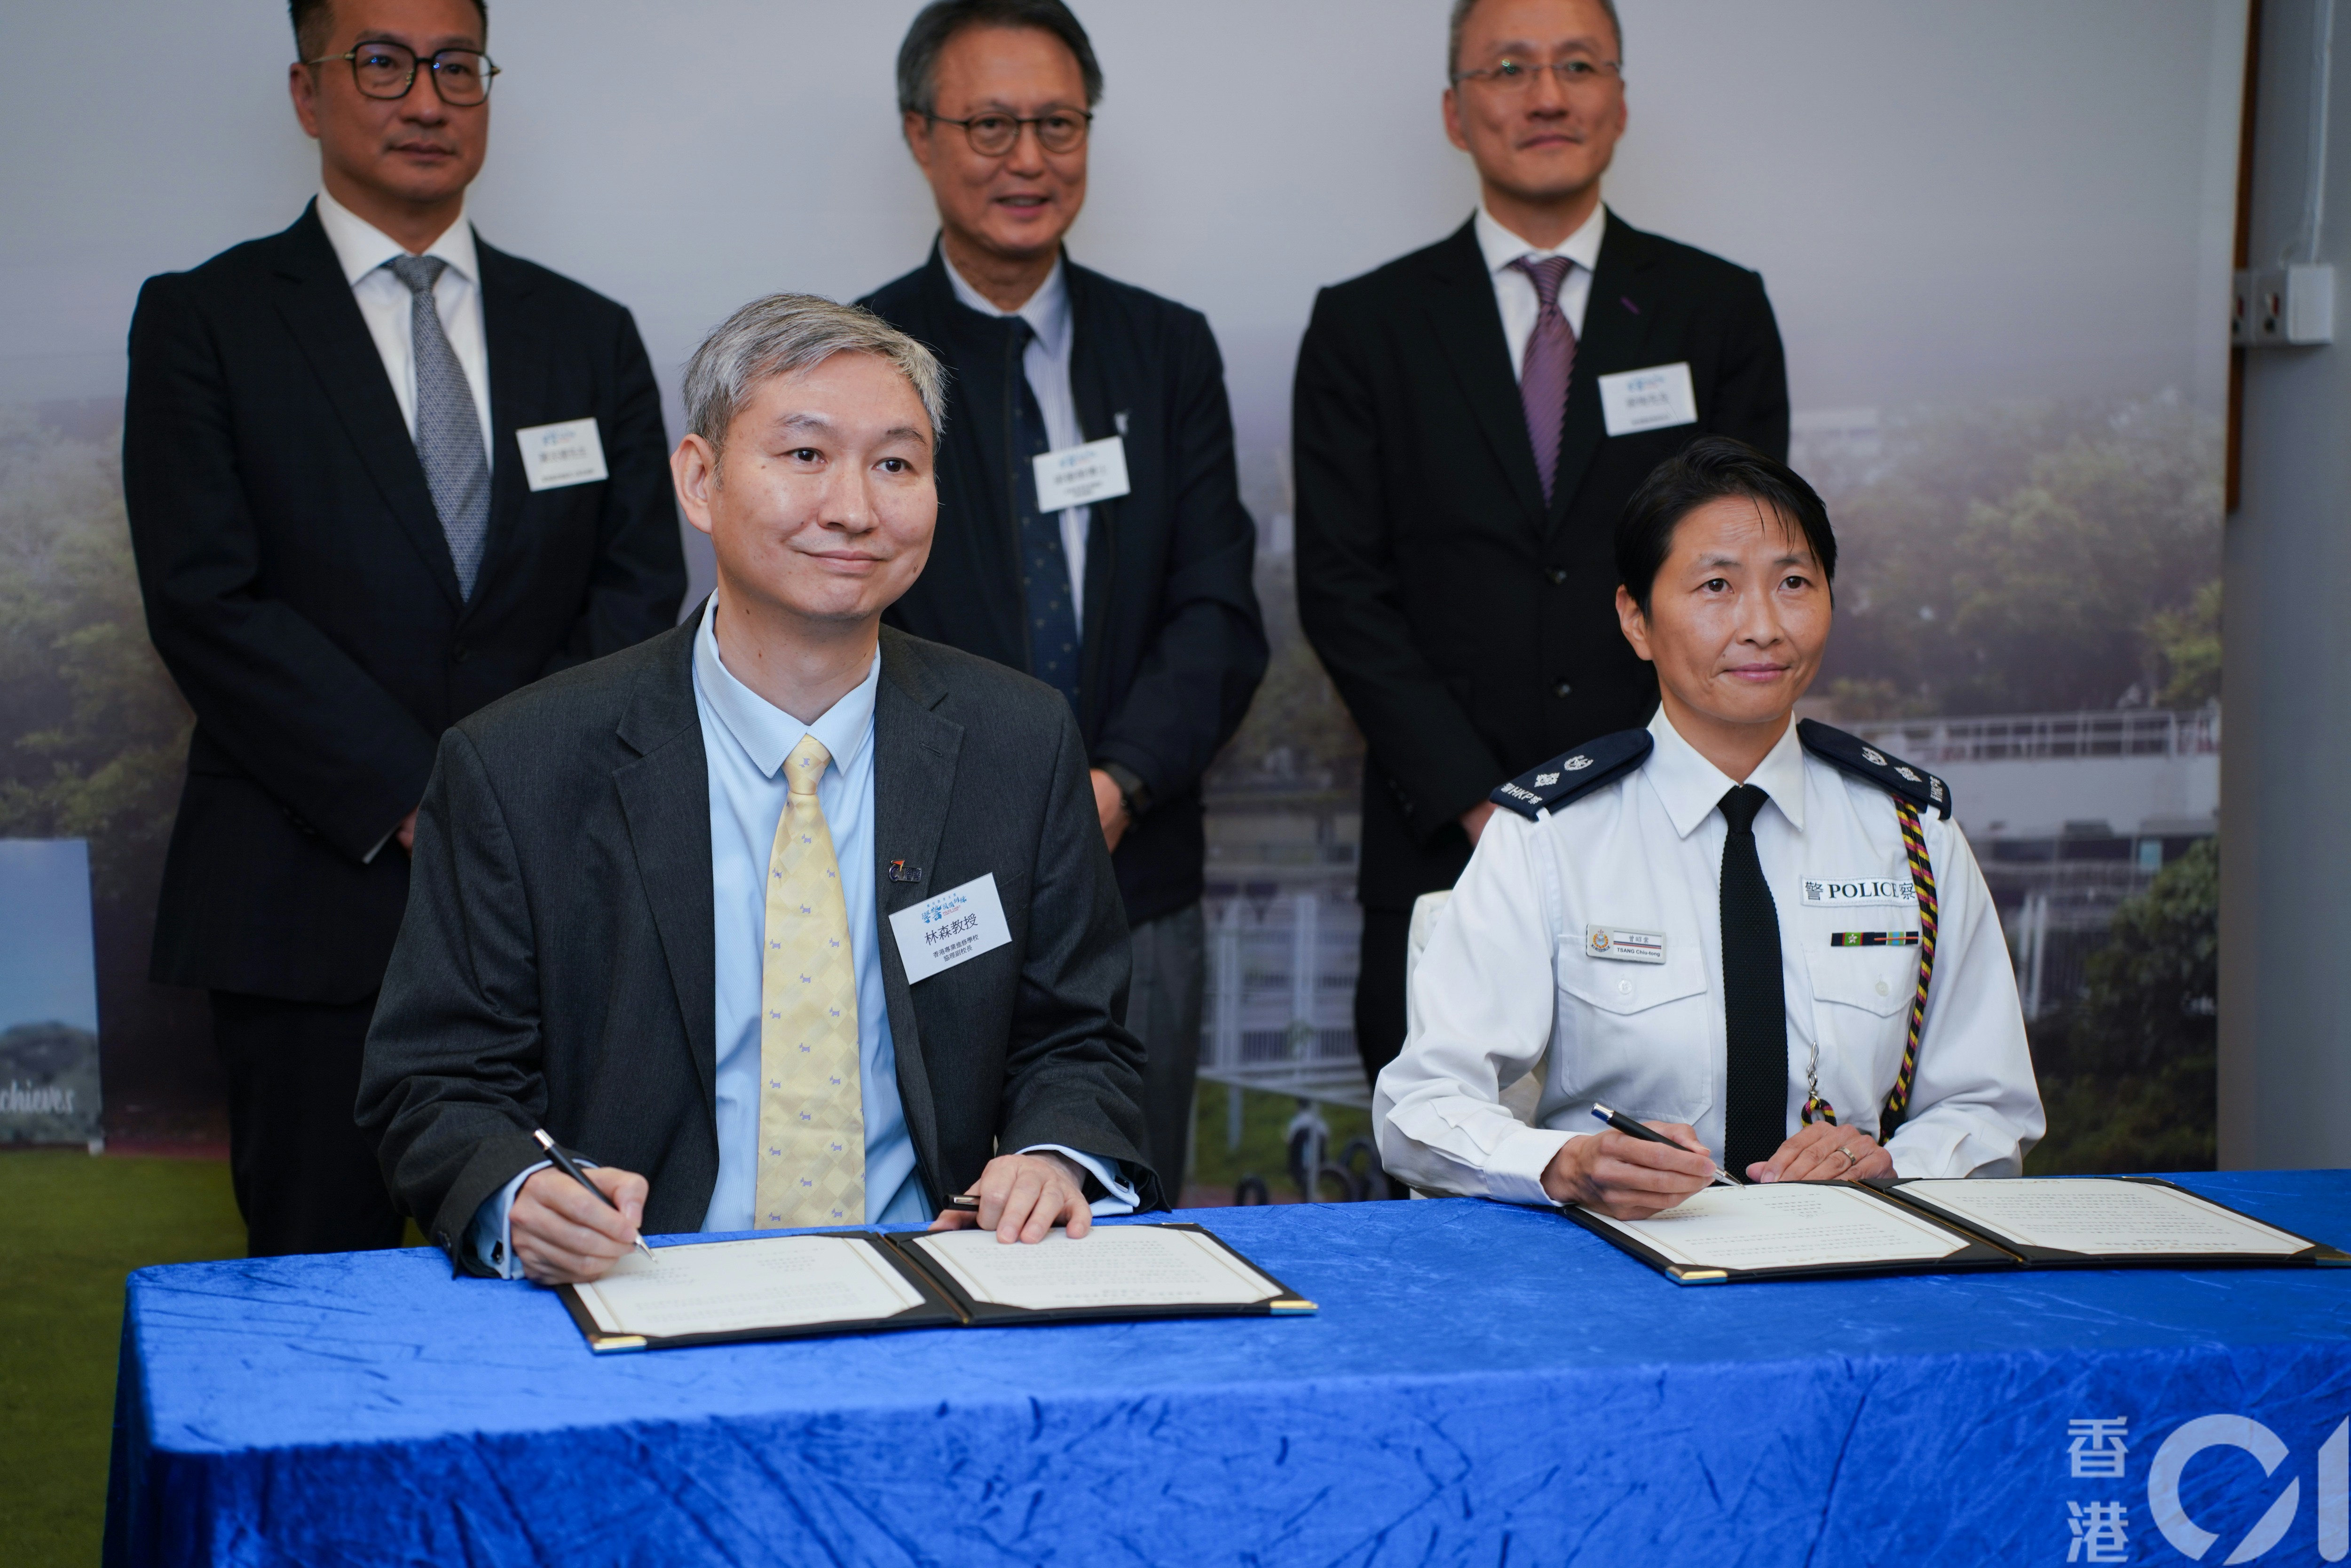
(2282, 305)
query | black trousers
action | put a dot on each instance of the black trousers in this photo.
(1379, 988)
(306, 1176)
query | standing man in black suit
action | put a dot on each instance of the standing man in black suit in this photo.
(788, 918)
(378, 474)
(1469, 420)
(1129, 592)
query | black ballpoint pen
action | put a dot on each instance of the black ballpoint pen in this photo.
(1631, 1129)
(565, 1163)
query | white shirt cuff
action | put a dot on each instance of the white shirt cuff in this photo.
(490, 1237)
(1514, 1170)
(1121, 1196)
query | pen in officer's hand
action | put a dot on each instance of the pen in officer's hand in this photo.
(1631, 1129)
(565, 1163)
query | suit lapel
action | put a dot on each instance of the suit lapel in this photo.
(1090, 391)
(1467, 322)
(1615, 331)
(664, 795)
(914, 750)
(520, 367)
(314, 301)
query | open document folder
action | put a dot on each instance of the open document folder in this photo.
(857, 1282)
(1722, 1233)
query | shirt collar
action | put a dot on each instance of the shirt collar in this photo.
(767, 733)
(361, 247)
(1501, 247)
(1047, 311)
(1691, 787)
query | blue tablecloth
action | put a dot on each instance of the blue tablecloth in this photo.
(1484, 1385)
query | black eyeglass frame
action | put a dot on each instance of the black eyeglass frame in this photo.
(433, 61)
(1591, 72)
(1084, 117)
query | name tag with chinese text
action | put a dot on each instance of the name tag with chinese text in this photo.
(554, 455)
(1080, 475)
(1655, 399)
(1625, 947)
(950, 928)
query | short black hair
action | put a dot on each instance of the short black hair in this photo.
(313, 19)
(1712, 469)
(918, 56)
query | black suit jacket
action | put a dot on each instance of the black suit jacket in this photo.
(558, 964)
(1470, 627)
(300, 591)
(1174, 643)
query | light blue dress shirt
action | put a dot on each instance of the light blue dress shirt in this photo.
(747, 740)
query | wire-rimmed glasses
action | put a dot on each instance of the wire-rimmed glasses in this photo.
(993, 134)
(383, 69)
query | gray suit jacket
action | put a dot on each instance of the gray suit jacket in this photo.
(555, 966)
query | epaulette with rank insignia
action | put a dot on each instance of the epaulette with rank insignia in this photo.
(1851, 754)
(1574, 773)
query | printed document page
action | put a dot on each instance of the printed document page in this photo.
(1114, 1266)
(726, 1287)
(1787, 1225)
(2102, 1217)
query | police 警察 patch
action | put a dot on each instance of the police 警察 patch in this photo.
(1837, 892)
(1574, 773)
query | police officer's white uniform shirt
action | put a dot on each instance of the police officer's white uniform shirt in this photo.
(1510, 971)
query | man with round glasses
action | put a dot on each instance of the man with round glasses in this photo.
(378, 474)
(1091, 531)
(1468, 420)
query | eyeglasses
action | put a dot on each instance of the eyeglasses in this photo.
(387, 70)
(994, 135)
(1513, 76)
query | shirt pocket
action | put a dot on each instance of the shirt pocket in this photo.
(1638, 1034)
(1861, 999)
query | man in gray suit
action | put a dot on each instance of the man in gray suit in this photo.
(785, 918)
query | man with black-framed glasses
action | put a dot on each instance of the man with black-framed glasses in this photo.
(1468, 422)
(379, 474)
(1090, 530)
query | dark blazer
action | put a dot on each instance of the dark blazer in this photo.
(300, 593)
(1173, 644)
(1470, 627)
(558, 963)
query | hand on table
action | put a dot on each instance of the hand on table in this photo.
(1023, 1197)
(1626, 1177)
(1823, 1153)
(563, 1235)
(1110, 805)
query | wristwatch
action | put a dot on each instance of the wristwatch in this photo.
(1132, 790)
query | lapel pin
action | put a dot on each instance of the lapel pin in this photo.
(901, 872)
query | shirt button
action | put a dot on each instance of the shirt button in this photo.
(1561, 689)
(1558, 575)
(1882, 989)
(1625, 987)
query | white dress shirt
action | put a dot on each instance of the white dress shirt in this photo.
(384, 301)
(1510, 972)
(746, 741)
(1514, 291)
(1046, 367)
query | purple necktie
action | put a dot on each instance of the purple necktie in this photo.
(1550, 360)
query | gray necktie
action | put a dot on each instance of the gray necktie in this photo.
(448, 426)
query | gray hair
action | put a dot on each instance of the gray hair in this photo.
(1461, 9)
(785, 334)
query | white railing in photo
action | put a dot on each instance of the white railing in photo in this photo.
(2124, 732)
(1279, 1012)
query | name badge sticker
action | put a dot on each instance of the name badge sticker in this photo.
(554, 455)
(1625, 947)
(950, 928)
(1080, 475)
(1843, 892)
(1655, 399)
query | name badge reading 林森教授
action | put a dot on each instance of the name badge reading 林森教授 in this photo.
(554, 455)
(1080, 475)
(1625, 947)
(1655, 399)
(950, 928)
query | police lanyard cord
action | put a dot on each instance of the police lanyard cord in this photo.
(1922, 878)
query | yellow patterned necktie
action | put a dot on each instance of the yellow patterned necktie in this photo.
(812, 1112)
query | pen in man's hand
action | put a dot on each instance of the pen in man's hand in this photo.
(565, 1163)
(967, 1202)
(1631, 1129)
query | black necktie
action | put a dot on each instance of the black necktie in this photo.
(1754, 1004)
(1052, 621)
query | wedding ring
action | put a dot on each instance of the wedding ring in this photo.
(1851, 1159)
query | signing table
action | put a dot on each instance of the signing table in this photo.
(1483, 1384)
